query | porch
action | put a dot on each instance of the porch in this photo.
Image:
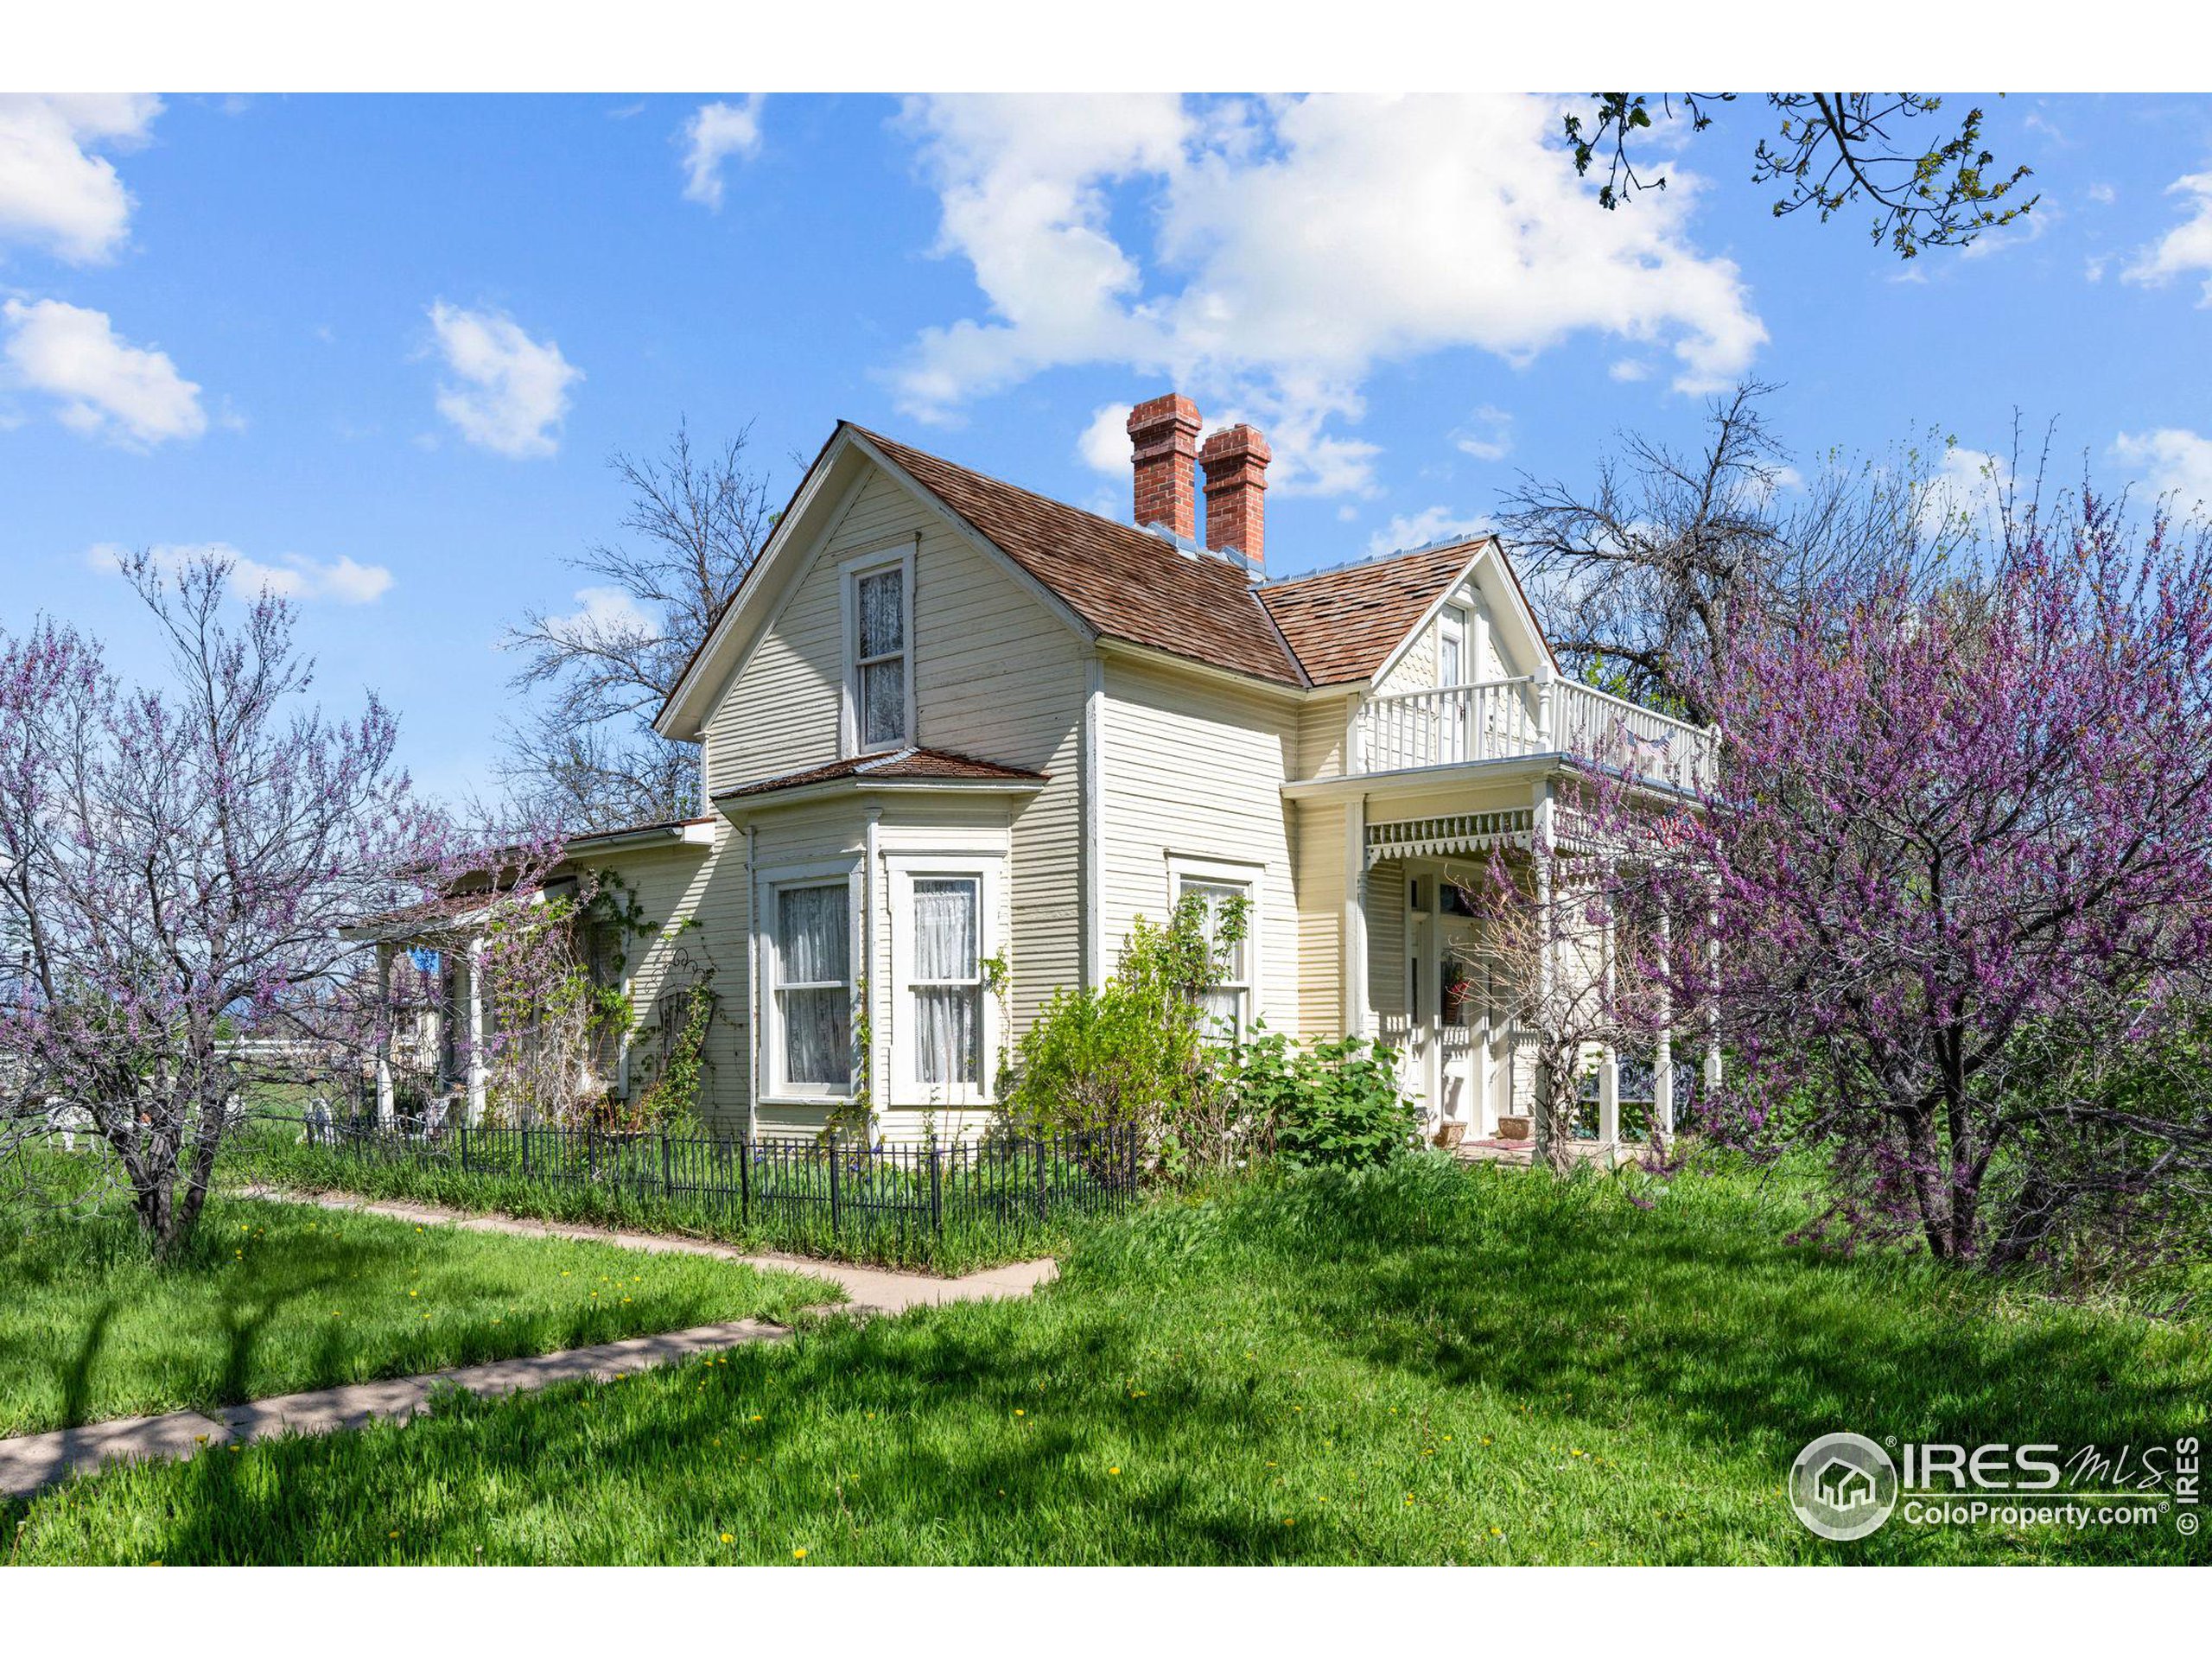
(1457, 777)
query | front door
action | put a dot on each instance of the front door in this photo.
(1457, 1016)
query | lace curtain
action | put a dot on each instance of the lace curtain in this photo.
(813, 990)
(948, 1018)
(882, 642)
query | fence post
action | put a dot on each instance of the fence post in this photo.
(744, 1181)
(835, 1212)
(525, 1147)
(667, 1182)
(937, 1195)
(591, 1153)
(1041, 1179)
(464, 1144)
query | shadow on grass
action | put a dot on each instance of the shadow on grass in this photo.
(1212, 1373)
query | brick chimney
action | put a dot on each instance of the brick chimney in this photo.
(1235, 459)
(1164, 433)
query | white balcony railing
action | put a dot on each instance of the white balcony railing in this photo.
(1498, 720)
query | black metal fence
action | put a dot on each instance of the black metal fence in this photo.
(825, 1185)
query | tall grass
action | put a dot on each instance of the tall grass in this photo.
(1426, 1364)
(275, 1298)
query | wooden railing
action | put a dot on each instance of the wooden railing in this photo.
(1498, 719)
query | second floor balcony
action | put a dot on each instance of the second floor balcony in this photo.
(1504, 720)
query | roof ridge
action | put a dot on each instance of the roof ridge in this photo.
(1443, 545)
(1175, 542)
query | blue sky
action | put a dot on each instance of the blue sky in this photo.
(382, 346)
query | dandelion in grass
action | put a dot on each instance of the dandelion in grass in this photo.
(799, 1554)
(729, 1537)
(1115, 1469)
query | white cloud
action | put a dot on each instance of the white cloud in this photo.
(606, 611)
(105, 387)
(2177, 460)
(1295, 244)
(1628, 369)
(716, 131)
(1969, 484)
(2187, 248)
(510, 392)
(2029, 227)
(54, 193)
(2103, 195)
(294, 575)
(1105, 445)
(1487, 435)
(1422, 529)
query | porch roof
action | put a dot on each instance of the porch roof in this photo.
(900, 769)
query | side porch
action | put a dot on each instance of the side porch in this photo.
(1418, 966)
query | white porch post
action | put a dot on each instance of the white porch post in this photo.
(1358, 1004)
(1609, 1066)
(1547, 710)
(1539, 843)
(1712, 989)
(387, 1098)
(1662, 1054)
(476, 1031)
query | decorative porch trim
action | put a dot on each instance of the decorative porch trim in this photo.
(1456, 832)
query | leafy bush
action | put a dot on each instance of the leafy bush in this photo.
(1137, 1050)
(1331, 1103)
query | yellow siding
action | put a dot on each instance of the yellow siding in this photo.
(1321, 726)
(997, 675)
(1194, 768)
(1320, 843)
(708, 884)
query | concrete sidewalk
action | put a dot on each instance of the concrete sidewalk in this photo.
(31, 1461)
(867, 1290)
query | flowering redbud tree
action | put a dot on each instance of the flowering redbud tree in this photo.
(1955, 833)
(177, 868)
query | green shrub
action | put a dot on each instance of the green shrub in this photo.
(1336, 1104)
(1136, 1050)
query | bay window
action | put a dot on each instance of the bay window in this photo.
(812, 989)
(944, 921)
(948, 981)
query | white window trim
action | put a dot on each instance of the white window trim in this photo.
(901, 558)
(1251, 877)
(1453, 626)
(987, 869)
(776, 1089)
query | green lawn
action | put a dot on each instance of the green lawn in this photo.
(278, 1297)
(1431, 1365)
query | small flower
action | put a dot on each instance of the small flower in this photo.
(729, 1537)
(1115, 1469)
(799, 1554)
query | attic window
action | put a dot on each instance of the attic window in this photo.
(880, 686)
